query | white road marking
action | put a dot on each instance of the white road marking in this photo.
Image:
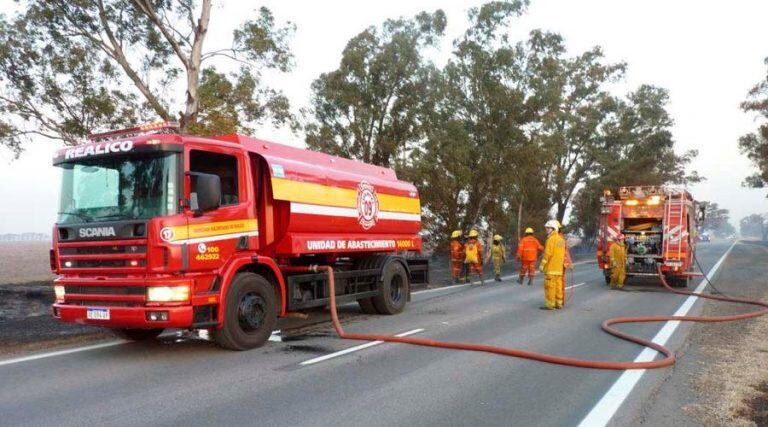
(355, 348)
(275, 337)
(467, 284)
(610, 403)
(60, 352)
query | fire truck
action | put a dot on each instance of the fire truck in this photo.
(160, 230)
(659, 226)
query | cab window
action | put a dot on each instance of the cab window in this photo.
(223, 165)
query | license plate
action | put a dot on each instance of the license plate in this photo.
(97, 314)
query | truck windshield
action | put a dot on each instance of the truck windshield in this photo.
(118, 187)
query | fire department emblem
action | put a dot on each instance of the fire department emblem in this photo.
(167, 234)
(367, 205)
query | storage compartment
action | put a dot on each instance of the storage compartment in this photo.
(644, 244)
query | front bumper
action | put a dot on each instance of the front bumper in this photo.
(125, 317)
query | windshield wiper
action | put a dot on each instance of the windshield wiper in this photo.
(78, 214)
(115, 216)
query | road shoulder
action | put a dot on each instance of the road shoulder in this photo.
(721, 375)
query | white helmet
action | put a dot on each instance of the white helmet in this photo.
(553, 224)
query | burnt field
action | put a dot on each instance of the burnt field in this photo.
(26, 295)
(24, 262)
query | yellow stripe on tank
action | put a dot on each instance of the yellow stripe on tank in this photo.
(210, 229)
(326, 195)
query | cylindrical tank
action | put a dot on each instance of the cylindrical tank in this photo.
(328, 204)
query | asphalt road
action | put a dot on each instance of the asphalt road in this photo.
(192, 382)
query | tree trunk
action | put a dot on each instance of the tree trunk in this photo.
(519, 219)
(189, 116)
(561, 211)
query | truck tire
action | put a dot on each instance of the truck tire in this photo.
(366, 306)
(393, 289)
(679, 282)
(250, 313)
(137, 334)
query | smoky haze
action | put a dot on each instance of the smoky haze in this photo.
(708, 55)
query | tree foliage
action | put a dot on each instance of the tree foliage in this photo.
(368, 109)
(754, 225)
(68, 68)
(641, 153)
(755, 144)
(716, 220)
(505, 133)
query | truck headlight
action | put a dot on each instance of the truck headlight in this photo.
(167, 293)
(59, 291)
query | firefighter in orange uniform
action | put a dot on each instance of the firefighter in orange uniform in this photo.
(527, 253)
(473, 256)
(457, 256)
(553, 266)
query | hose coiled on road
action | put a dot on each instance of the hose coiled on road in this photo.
(667, 360)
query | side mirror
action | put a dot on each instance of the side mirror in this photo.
(206, 192)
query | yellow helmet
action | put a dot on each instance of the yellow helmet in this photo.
(529, 230)
(496, 237)
(456, 234)
(473, 233)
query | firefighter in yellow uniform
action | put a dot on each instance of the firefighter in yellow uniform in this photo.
(473, 256)
(553, 265)
(498, 255)
(618, 255)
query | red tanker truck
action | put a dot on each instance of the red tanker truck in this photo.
(159, 230)
(659, 226)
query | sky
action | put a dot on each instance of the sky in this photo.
(708, 54)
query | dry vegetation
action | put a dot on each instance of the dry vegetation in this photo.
(24, 262)
(735, 376)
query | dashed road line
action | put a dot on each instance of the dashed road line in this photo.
(354, 349)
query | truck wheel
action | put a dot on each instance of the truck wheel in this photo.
(366, 306)
(137, 334)
(393, 290)
(679, 282)
(250, 313)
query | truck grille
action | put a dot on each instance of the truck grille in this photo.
(129, 256)
(105, 290)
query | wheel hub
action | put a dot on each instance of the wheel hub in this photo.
(251, 312)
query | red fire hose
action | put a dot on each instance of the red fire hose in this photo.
(669, 356)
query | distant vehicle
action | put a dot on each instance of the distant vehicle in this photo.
(659, 224)
(704, 238)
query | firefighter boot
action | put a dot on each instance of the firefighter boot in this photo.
(530, 281)
(520, 280)
(498, 278)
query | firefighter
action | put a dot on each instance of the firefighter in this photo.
(457, 257)
(473, 256)
(552, 265)
(568, 264)
(527, 253)
(498, 255)
(618, 256)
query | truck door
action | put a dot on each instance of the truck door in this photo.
(214, 236)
